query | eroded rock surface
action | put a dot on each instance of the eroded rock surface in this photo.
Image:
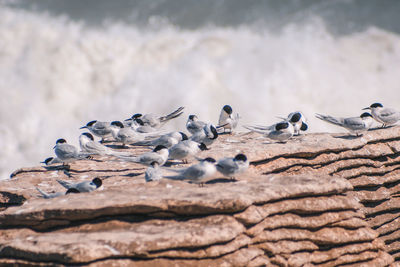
(320, 199)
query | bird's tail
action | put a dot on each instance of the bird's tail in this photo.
(130, 158)
(258, 128)
(116, 153)
(44, 194)
(172, 115)
(329, 119)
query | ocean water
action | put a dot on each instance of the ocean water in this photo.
(64, 63)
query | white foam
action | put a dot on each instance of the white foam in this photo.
(56, 75)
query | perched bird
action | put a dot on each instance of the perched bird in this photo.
(167, 140)
(298, 121)
(88, 145)
(156, 121)
(193, 125)
(67, 153)
(86, 186)
(98, 128)
(227, 120)
(159, 155)
(280, 131)
(196, 173)
(57, 194)
(230, 167)
(51, 161)
(153, 172)
(185, 149)
(125, 135)
(386, 116)
(206, 136)
(355, 125)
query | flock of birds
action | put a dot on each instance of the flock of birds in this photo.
(145, 130)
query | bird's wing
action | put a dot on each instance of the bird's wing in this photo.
(193, 172)
(388, 112)
(228, 165)
(68, 151)
(354, 122)
(330, 119)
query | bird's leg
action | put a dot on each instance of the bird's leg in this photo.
(184, 161)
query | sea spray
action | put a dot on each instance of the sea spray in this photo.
(56, 74)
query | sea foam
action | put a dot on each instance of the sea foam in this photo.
(57, 74)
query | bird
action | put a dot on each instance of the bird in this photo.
(153, 172)
(196, 173)
(125, 135)
(167, 140)
(57, 194)
(85, 186)
(155, 121)
(67, 153)
(51, 161)
(193, 125)
(98, 128)
(159, 155)
(88, 145)
(355, 125)
(227, 120)
(206, 136)
(386, 116)
(185, 149)
(298, 120)
(230, 167)
(281, 131)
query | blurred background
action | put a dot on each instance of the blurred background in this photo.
(66, 62)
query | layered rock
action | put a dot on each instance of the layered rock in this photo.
(320, 199)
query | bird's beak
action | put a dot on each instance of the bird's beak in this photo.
(54, 146)
(83, 127)
(128, 119)
(366, 108)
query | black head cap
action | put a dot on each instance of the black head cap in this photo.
(191, 117)
(118, 124)
(72, 190)
(140, 122)
(203, 147)
(158, 148)
(240, 157)
(295, 117)
(214, 131)
(304, 126)
(376, 105)
(228, 109)
(281, 126)
(90, 123)
(365, 114)
(97, 181)
(211, 160)
(61, 141)
(184, 136)
(136, 116)
(90, 136)
(46, 161)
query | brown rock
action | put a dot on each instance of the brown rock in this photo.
(255, 214)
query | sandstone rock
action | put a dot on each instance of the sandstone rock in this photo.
(309, 202)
